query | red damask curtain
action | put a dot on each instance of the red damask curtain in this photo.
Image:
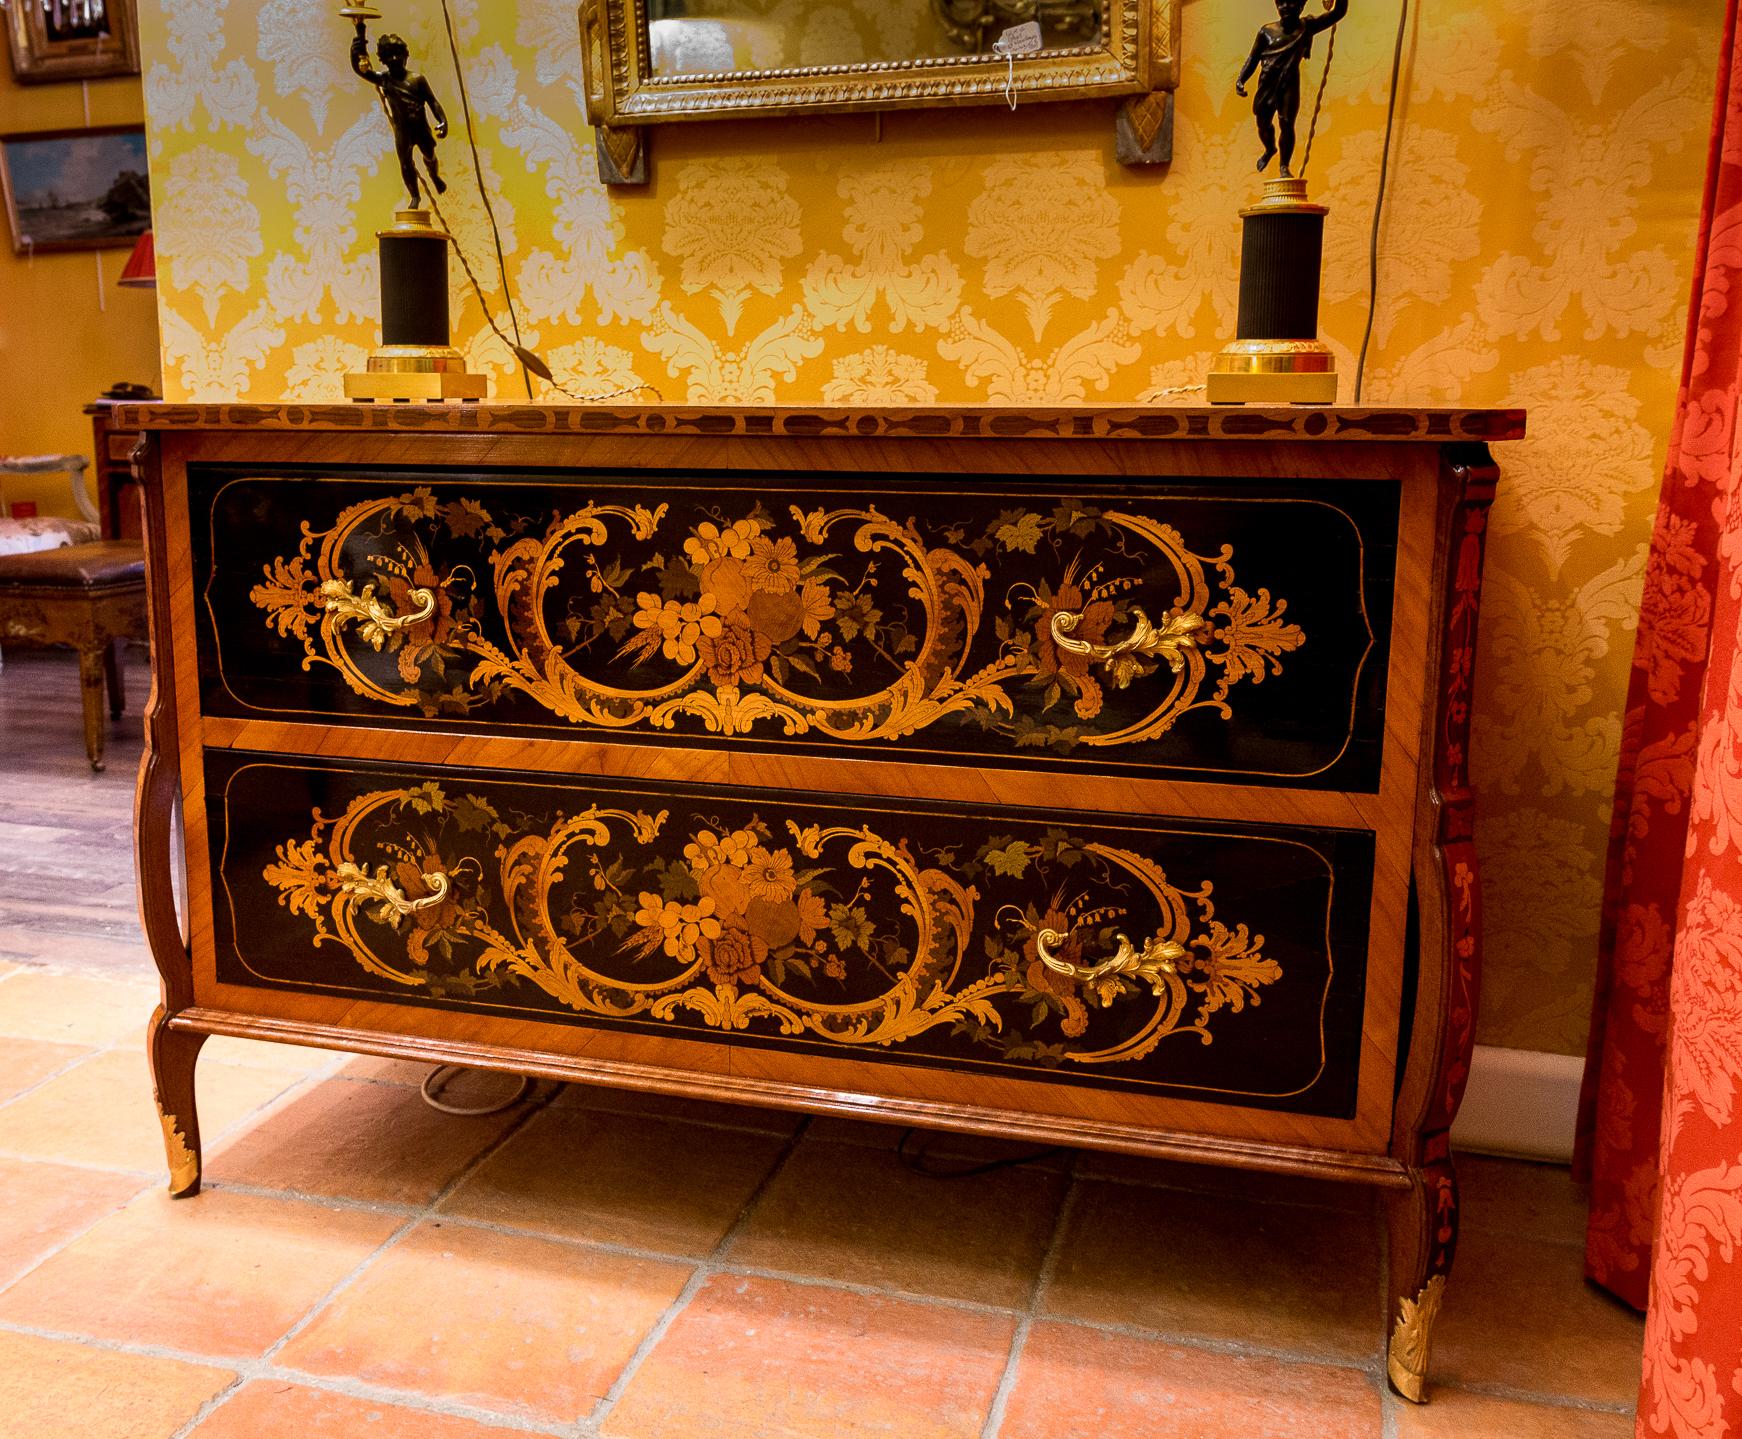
(1661, 1135)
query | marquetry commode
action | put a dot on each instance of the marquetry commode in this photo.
(1093, 775)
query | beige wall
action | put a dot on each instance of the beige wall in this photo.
(67, 331)
(1547, 175)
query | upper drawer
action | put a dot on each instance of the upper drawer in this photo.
(1227, 630)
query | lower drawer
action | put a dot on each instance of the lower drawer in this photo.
(1216, 963)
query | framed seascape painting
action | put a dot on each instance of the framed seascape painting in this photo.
(72, 39)
(75, 189)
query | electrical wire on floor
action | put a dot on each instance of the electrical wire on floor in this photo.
(1379, 202)
(443, 1075)
(917, 1162)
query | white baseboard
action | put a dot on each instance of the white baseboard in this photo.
(1520, 1102)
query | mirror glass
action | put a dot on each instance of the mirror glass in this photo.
(688, 37)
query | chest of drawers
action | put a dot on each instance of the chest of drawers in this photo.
(1094, 776)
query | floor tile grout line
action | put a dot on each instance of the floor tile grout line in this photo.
(46, 1079)
(710, 1265)
(1006, 1385)
(1206, 1343)
(301, 1081)
(251, 1369)
(1388, 1416)
(409, 1223)
(238, 1382)
(307, 1196)
(1051, 1257)
(589, 1424)
(145, 1186)
(351, 1276)
(1527, 1396)
(1199, 1342)
(1007, 1380)
(248, 1371)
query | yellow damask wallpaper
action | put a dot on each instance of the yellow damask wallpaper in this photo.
(1545, 192)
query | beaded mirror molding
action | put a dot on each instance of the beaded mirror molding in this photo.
(648, 62)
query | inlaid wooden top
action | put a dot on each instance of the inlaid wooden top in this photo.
(1087, 422)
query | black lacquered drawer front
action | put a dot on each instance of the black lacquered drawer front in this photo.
(1195, 959)
(1226, 632)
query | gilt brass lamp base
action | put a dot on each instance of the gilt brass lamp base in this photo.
(1273, 372)
(415, 362)
(432, 373)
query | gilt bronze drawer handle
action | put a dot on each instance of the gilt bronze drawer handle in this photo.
(1170, 641)
(1156, 958)
(378, 622)
(356, 881)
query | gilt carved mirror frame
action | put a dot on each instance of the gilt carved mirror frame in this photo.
(1135, 60)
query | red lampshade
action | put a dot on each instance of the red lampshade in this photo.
(141, 270)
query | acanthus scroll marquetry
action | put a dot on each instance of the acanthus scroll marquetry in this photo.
(1059, 628)
(985, 939)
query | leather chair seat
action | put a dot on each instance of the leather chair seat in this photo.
(104, 564)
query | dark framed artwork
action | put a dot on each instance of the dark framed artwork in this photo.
(72, 39)
(75, 189)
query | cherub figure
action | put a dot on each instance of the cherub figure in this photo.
(404, 95)
(1276, 57)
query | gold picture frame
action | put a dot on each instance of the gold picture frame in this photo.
(1135, 60)
(82, 189)
(72, 39)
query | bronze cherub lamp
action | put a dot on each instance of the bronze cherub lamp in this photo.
(416, 359)
(1277, 356)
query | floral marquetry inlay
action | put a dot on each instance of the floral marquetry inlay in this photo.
(841, 624)
(856, 935)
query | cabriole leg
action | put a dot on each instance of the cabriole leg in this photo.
(91, 683)
(1423, 1224)
(112, 674)
(173, 1053)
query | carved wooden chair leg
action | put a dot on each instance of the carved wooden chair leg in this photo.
(112, 675)
(1423, 1224)
(173, 1053)
(91, 681)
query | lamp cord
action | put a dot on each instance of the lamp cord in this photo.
(1319, 103)
(530, 364)
(484, 193)
(916, 1160)
(1379, 202)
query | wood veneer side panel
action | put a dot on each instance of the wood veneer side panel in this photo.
(154, 801)
(182, 598)
(1447, 886)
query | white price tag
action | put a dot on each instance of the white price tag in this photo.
(1019, 39)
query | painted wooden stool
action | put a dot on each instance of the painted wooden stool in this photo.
(89, 597)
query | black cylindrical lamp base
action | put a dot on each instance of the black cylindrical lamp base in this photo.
(1281, 253)
(1277, 356)
(416, 359)
(414, 288)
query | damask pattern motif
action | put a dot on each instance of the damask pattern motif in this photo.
(1664, 1116)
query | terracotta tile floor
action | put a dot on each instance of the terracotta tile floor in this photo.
(609, 1266)
(603, 1266)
